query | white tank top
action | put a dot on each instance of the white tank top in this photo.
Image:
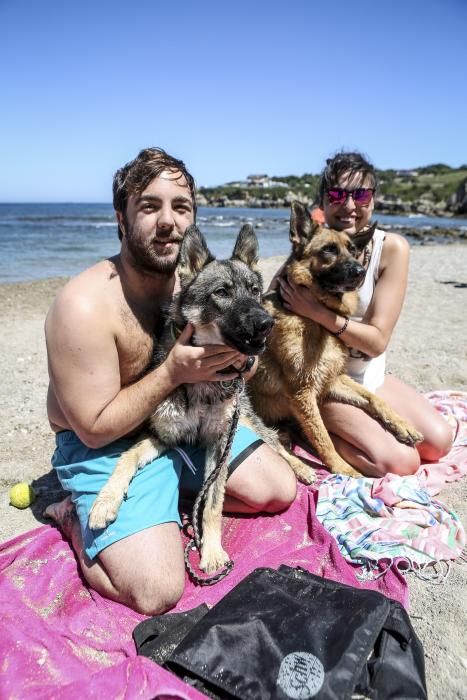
(365, 370)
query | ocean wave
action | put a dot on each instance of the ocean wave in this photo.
(55, 224)
(222, 224)
(73, 217)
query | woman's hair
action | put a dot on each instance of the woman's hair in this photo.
(136, 175)
(344, 163)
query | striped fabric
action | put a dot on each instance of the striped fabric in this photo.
(388, 519)
(397, 518)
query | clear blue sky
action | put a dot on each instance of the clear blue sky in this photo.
(233, 88)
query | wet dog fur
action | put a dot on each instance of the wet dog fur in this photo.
(303, 363)
(221, 299)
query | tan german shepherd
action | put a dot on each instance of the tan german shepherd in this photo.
(303, 363)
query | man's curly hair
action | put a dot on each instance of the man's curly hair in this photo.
(136, 175)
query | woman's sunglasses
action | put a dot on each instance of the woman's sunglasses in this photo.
(361, 196)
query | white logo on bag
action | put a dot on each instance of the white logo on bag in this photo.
(301, 675)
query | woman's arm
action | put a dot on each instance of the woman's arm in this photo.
(372, 335)
(275, 280)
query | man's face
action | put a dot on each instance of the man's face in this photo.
(155, 222)
(349, 216)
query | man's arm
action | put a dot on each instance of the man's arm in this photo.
(85, 372)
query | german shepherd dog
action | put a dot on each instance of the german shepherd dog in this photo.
(303, 365)
(221, 299)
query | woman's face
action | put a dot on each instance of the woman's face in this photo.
(349, 216)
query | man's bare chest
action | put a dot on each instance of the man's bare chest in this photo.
(135, 345)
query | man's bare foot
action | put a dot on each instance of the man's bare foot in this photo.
(64, 514)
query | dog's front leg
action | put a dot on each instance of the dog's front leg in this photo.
(213, 556)
(302, 471)
(110, 497)
(306, 410)
(346, 390)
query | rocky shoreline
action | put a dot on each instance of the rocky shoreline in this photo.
(385, 206)
(425, 235)
(428, 196)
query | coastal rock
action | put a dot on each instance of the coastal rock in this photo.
(389, 204)
(428, 234)
(458, 202)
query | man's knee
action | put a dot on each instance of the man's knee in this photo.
(284, 490)
(157, 595)
(278, 491)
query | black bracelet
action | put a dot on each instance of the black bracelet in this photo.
(346, 323)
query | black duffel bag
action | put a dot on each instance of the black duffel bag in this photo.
(290, 634)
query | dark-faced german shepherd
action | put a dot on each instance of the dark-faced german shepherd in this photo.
(303, 363)
(221, 299)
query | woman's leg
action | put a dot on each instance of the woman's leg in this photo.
(365, 444)
(375, 452)
(415, 408)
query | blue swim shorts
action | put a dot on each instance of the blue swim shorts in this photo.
(154, 491)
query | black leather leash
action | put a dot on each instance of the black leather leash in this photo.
(195, 540)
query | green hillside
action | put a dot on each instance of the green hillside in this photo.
(433, 190)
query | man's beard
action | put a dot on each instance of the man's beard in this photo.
(145, 258)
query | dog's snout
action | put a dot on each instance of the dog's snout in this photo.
(246, 326)
(356, 271)
(265, 324)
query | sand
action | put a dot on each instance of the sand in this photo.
(428, 350)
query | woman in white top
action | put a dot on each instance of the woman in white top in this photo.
(346, 196)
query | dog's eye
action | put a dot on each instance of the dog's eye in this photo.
(221, 292)
(352, 250)
(255, 290)
(330, 249)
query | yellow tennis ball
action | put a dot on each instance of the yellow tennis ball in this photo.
(22, 495)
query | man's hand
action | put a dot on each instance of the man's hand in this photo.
(187, 364)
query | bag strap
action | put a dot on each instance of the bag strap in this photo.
(398, 622)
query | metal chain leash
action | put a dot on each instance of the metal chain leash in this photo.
(195, 540)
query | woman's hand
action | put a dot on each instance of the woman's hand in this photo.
(299, 299)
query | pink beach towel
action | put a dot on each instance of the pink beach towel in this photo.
(59, 639)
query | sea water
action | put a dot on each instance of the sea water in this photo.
(59, 240)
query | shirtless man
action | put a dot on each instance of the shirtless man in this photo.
(99, 334)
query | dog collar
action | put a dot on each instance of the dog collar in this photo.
(231, 385)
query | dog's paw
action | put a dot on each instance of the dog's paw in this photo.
(213, 560)
(307, 476)
(339, 466)
(350, 471)
(304, 473)
(408, 435)
(103, 511)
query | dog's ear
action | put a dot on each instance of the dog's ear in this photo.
(302, 226)
(246, 247)
(364, 237)
(194, 255)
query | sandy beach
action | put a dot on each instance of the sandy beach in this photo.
(428, 350)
